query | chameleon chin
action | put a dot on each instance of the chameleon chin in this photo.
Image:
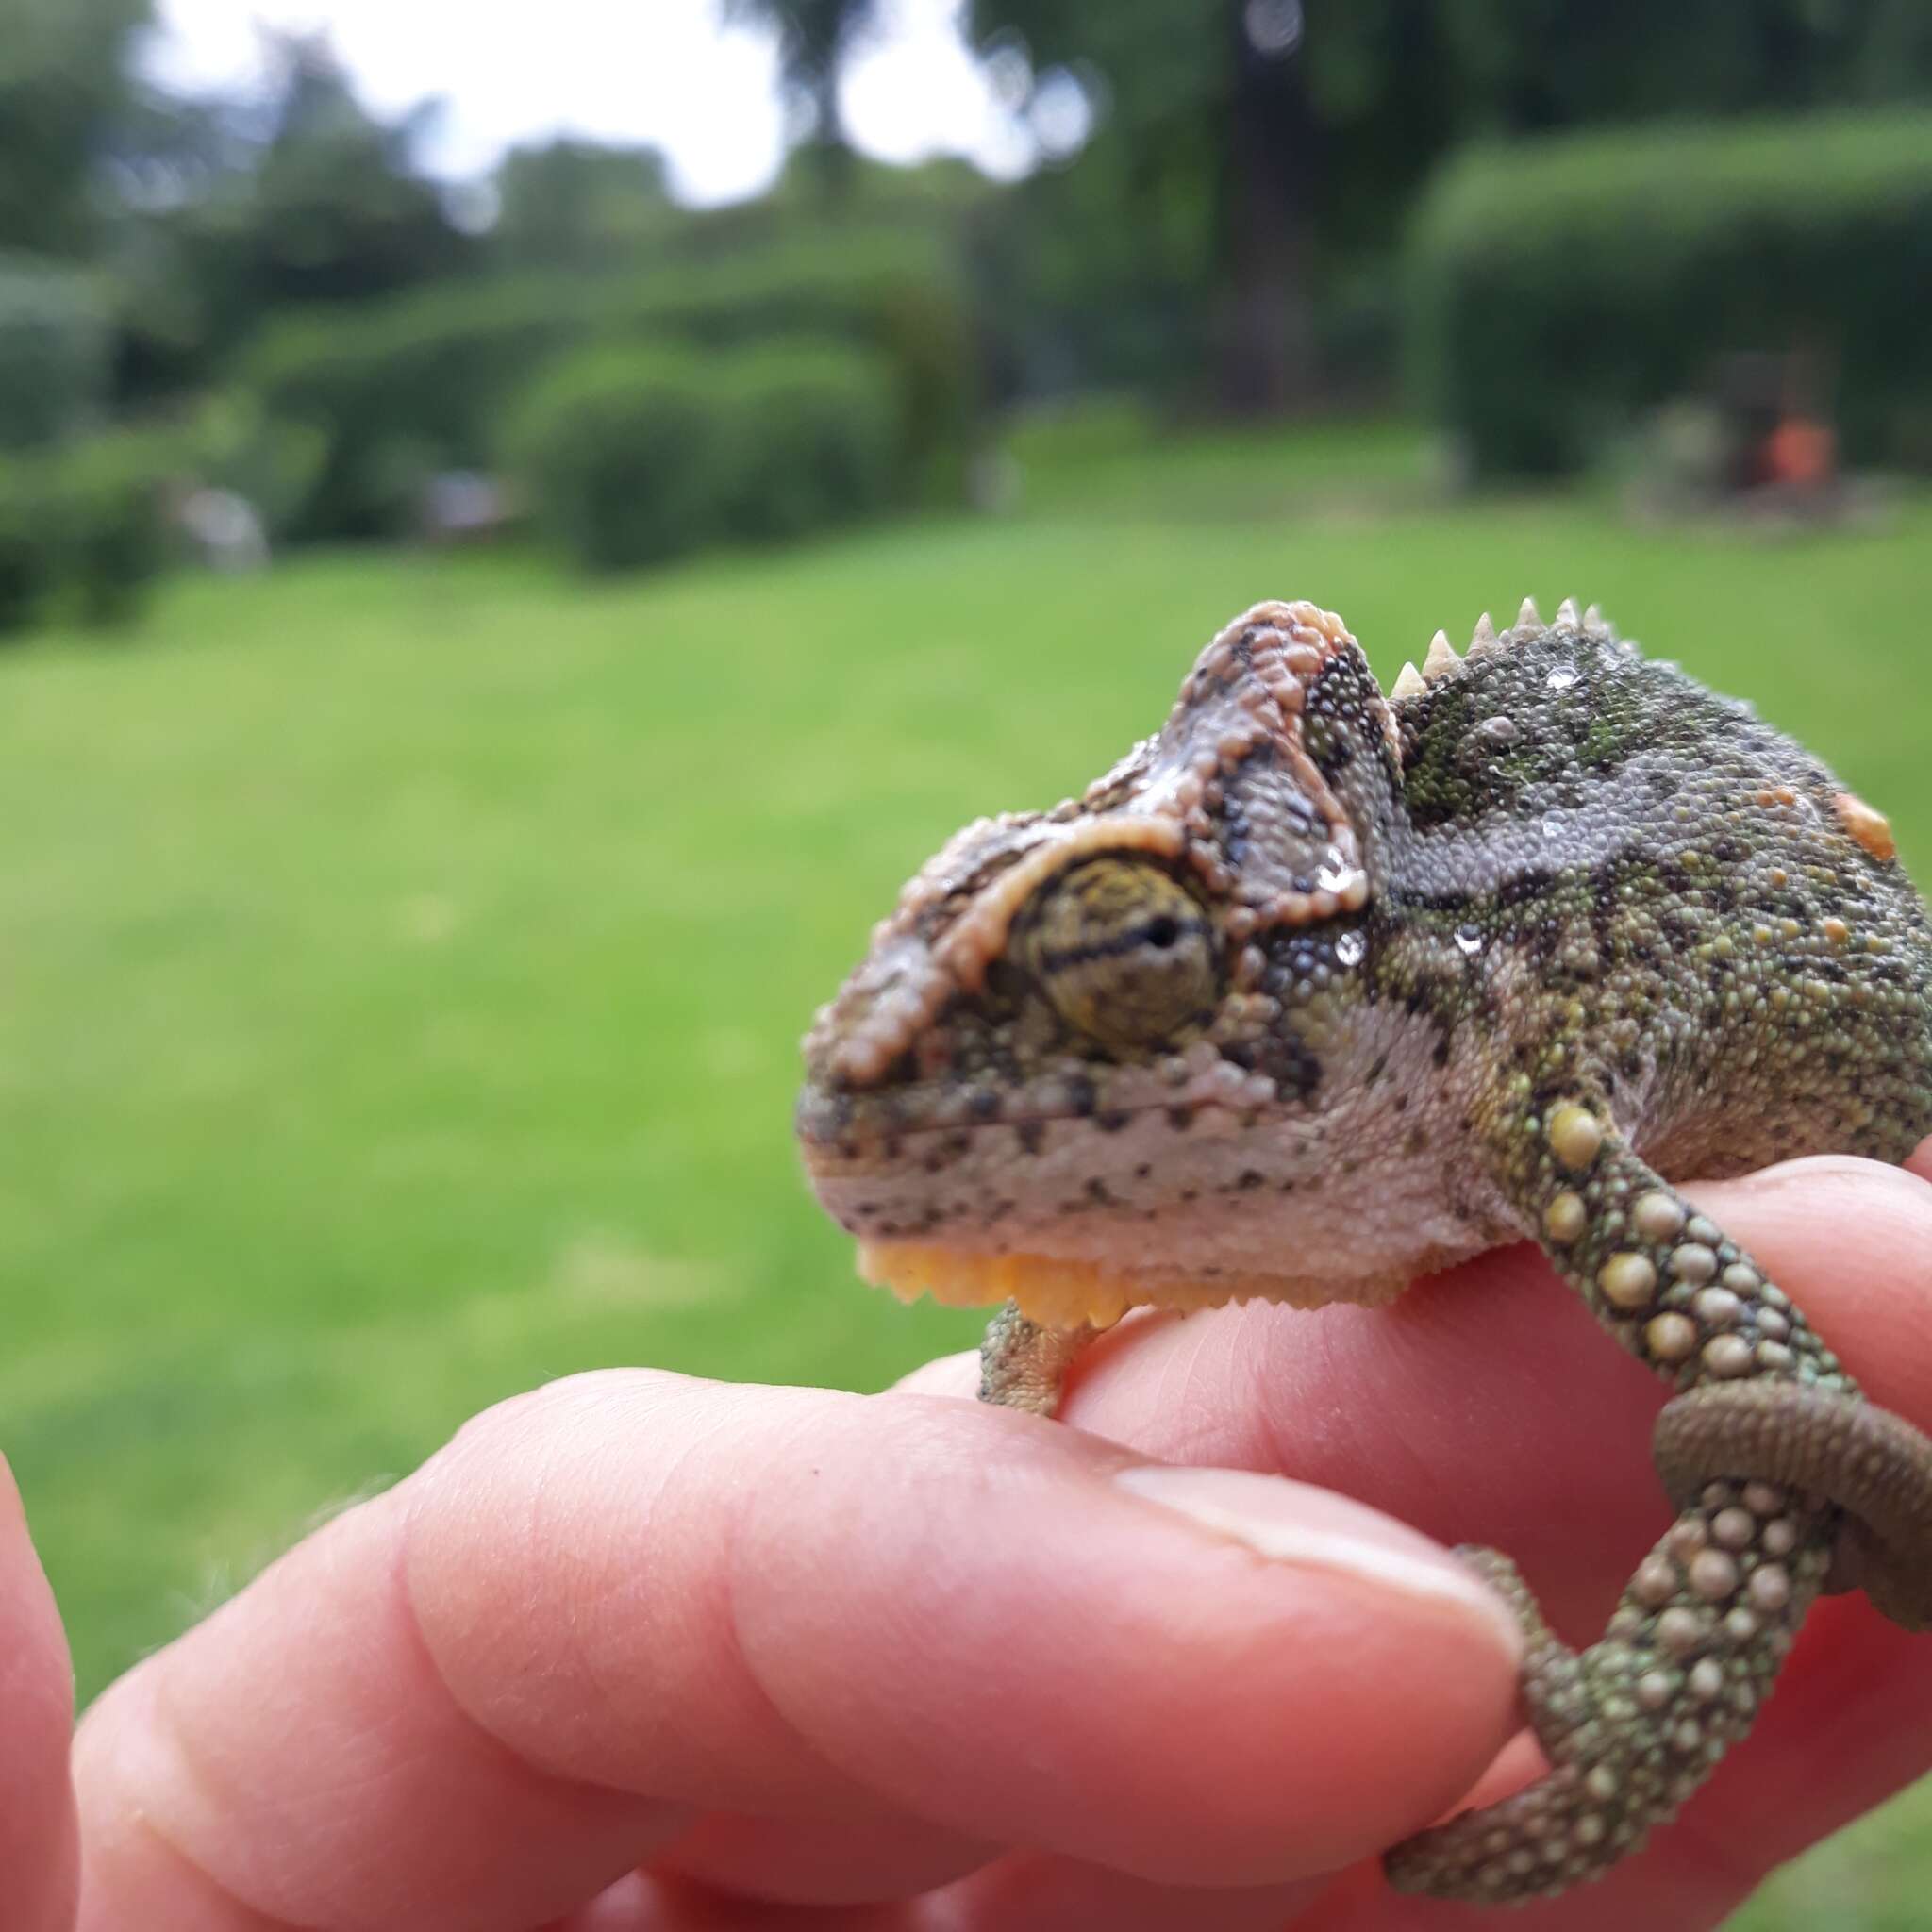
(1502, 953)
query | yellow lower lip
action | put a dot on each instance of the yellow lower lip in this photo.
(1061, 1294)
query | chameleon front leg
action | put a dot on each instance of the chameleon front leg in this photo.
(1024, 1364)
(1636, 1722)
(1778, 1467)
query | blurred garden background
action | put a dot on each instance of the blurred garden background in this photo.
(493, 613)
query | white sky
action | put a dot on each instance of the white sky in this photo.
(660, 71)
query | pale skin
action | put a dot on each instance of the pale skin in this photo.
(640, 1653)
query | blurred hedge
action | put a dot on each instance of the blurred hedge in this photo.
(83, 530)
(230, 442)
(626, 453)
(29, 550)
(422, 382)
(635, 454)
(54, 351)
(111, 526)
(814, 437)
(1559, 286)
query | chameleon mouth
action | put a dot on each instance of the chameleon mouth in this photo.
(1054, 1291)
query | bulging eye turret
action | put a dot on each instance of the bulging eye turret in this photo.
(1124, 953)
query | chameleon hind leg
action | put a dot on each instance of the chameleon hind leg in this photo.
(1024, 1364)
(1786, 1483)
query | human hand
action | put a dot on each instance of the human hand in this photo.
(931, 1667)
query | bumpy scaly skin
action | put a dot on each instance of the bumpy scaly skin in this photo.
(1497, 954)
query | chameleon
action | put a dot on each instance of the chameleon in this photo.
(1508, 952)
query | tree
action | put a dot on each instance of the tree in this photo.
(292, 194)
(1288, 136)
(815, 39)
(1520, 65)
(338, 210)
(1295, 133)
(573, 204)
(63, 83)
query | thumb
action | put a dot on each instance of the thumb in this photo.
(37, 1829)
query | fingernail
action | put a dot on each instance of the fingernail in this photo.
(1295, 1522)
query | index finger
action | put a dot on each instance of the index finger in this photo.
(481, 1698)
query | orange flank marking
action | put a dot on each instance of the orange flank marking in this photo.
(1872, 829)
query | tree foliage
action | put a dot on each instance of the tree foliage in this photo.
(294, 196)
(52, 350)
(335, 207)
(816, 37)
(1276, 139)
(1249, 169)
(1520, 66)
(1287, 137)
(63, 85)
(573, 204)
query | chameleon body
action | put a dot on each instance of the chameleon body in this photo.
(1504, 952)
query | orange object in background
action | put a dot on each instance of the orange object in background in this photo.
(1801, 451)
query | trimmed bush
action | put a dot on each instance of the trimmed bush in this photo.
(632, 456)
(54, 351)
(1559, 287)
(112, 534)
(392, 388)
(231, 442)
(433, 374)
(814, 438)
(29, 550)
(628, 454)
(82, 530)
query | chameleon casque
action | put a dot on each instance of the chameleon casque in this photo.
(1502, 951)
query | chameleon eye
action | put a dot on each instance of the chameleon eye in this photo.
(1124, 953)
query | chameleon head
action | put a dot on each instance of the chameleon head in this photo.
(1088, 1059)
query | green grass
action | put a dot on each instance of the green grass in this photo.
(404, 958)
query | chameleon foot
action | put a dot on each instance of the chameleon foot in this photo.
(1635, 1724)
(1024, 1364)
(1873, 1465)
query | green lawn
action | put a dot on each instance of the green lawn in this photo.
(404, 957)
